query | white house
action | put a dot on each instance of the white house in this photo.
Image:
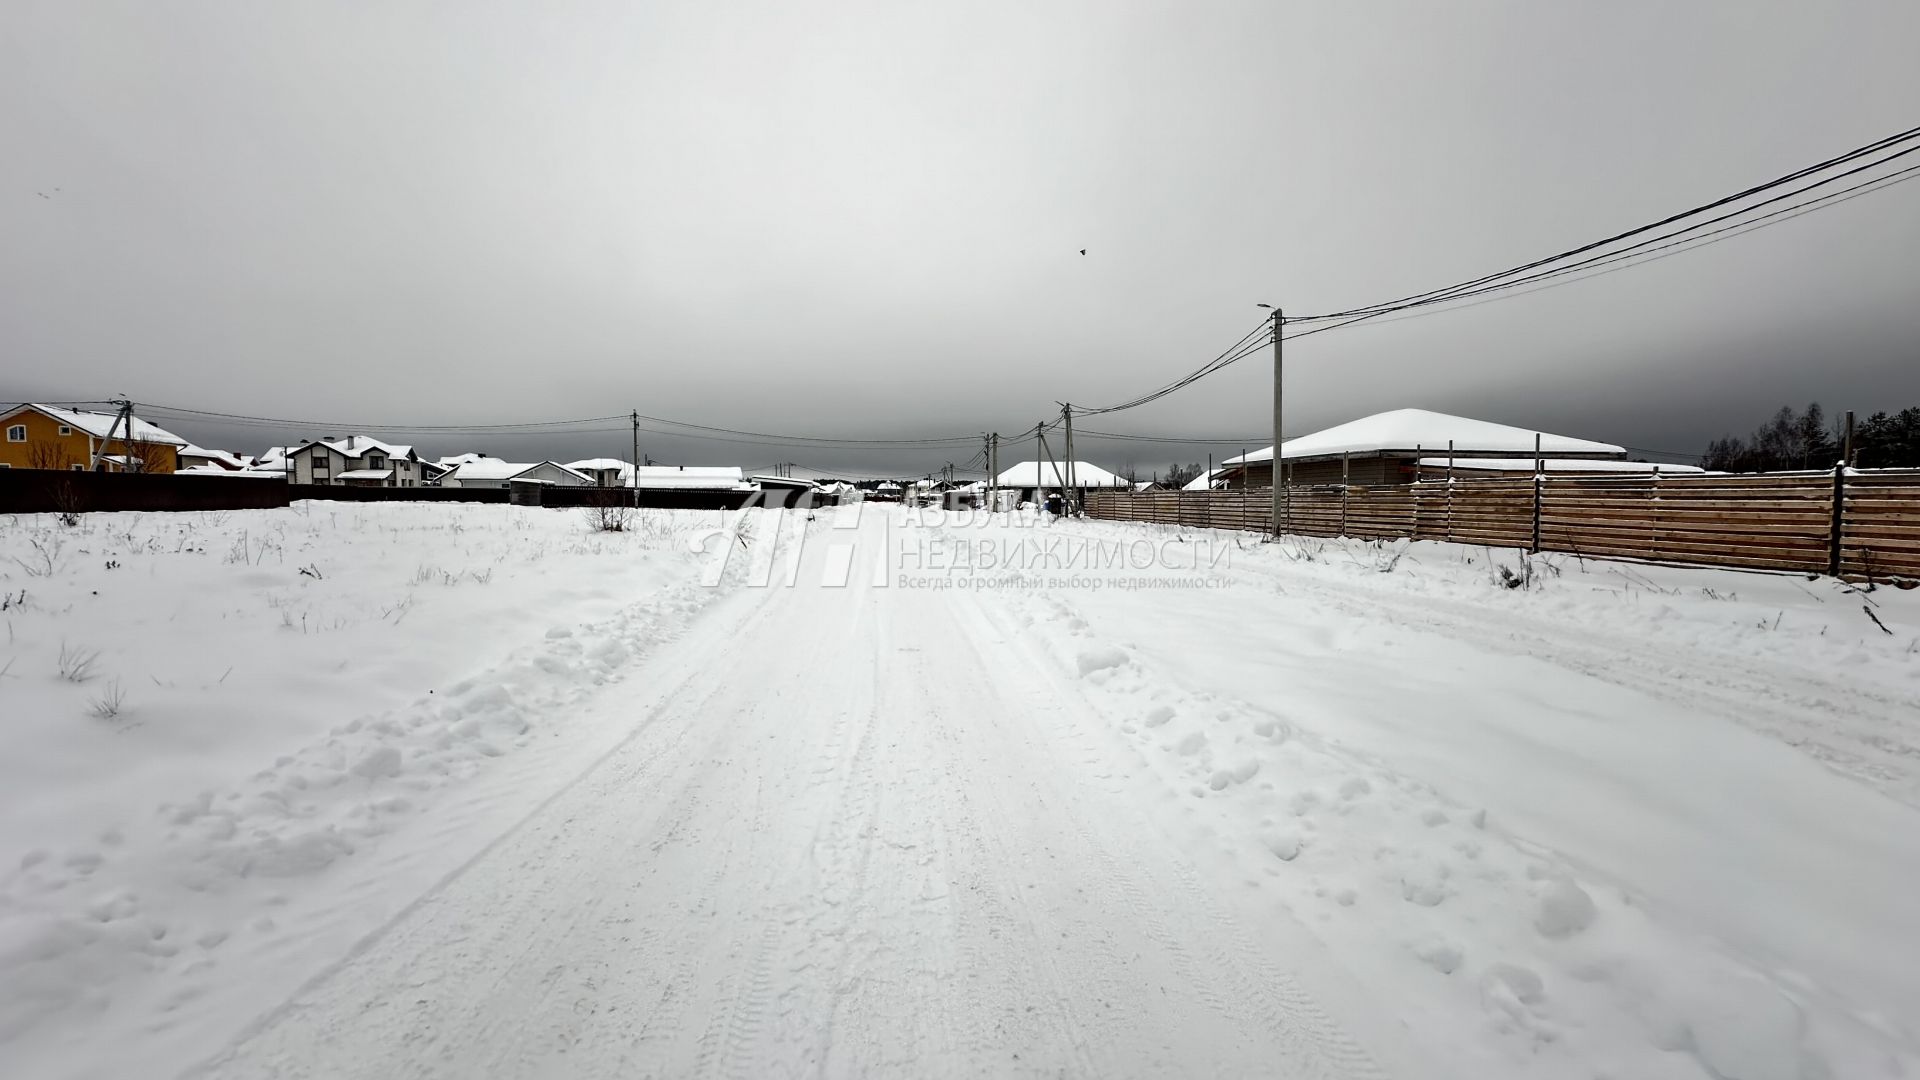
(481, 472)
(486, 472)
(691, 478)
(552, 473)
(355, 459)
(605, 472)
(1053, 474)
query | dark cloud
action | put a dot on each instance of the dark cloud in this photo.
(865, 219)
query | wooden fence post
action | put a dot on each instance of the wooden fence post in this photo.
(1449, 491)
(1653, 515)
(1345, 462)
(1539, 469)
(1840, 498)
(1839, 517)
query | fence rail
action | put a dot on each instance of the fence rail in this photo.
(1855, 523)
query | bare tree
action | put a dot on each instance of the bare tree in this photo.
(146, 456)
(1179, 476)
(42, 454)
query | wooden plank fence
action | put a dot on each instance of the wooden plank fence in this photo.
(1860, 524)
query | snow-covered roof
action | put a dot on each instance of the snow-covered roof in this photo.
(1203, 482)
(783, 482)
(575, 473)
(1048, 474)
(215, 470)
(452, 460)
(360, 445)
(689, 477)
(600, 464)
(1412, 430)
(1557, 465)
(231, 460)
(490, 469)
(99, 424)
(366, 474)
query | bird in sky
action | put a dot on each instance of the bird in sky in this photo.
(1083, 251)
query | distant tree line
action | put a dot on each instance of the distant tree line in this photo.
(1807, 440)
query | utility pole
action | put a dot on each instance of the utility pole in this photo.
(635, 470)
(98, 464)
(993, 472)
(1280, 496)
(1066, 412)
(1043, 457)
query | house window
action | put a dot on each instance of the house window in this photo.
(79, 468)
(65, 430)
(375, 461)
(17, 433)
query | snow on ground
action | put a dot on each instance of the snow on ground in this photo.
(292, 686)
(1636, 820)
(493, 795)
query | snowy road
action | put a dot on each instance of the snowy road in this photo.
(869, 835)
(898, 808)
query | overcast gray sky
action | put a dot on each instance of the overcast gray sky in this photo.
(864, 219)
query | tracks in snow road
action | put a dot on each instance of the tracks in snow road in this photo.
(864, 839)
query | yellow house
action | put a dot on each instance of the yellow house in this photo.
(45, 437)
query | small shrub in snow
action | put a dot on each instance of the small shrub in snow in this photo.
(609, 518)
(76, 665)
(107, 705)
(46, 556)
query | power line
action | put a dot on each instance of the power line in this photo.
(678, 429)
(1680, 247)
(1175, 439)
(1852, 155)
(1634, 256)
(182, 411)
(1239, 350)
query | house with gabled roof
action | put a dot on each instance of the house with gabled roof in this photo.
(1387, 448)
(605, 472)
(486, 472)
(355, 460)
(34, 436)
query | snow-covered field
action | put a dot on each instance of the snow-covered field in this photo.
(335, 683)
(472, 790)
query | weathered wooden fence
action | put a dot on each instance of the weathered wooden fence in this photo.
(1855, 523)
